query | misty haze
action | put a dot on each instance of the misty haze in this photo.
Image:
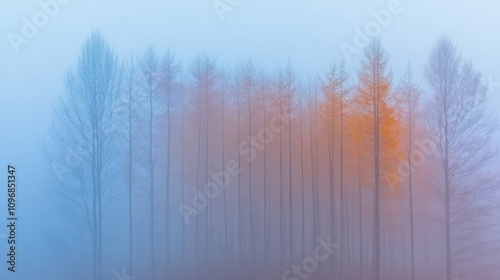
(249, 140)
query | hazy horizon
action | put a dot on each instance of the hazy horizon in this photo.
(309, 34)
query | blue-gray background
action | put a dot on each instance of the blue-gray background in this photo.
(310, 32)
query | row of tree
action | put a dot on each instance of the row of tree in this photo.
(241, 172)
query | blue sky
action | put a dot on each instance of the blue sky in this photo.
(309, 32)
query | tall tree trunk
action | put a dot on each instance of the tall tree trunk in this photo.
(167, 186)
(303, 252)
(376, 224)
(447, 199)
(266, 206)
(410, 188)
(151, 175)
(95, 247)
(130, 210)
(282, 240)
(208, 213)
(198, 184)
(183, 226)
(240, 216)
(342, 202)
(331, 148)
(250, 203)
(290, 197)
(360, 201)
(226, 231)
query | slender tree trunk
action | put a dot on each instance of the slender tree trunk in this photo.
(183, 226)
(316, 171)
(240, 216)
(410, 189)
(266, 208)
(208, 213)
(313, 131)
(99, 203)
(151, 174)
(130, 210)
(250, 203)
(447, 202)
(376, 229)
(332, 190)
(167, 186)
(303, 252)
(198, 235)
(290, 196)
(226, 231)
(282, 240)
(360, 199)
(342, 202)
(95, 255)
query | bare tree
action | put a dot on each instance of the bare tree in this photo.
(410, 96)
(336, 90)
(149, 71)
(291, 92)
(182, 105)
(285, 92)
(204, 78)
(265, 88)
(313, 107)
(461, 129)
(223, 91)
(130, 89)
(169, 70)
(374, 92)
(86, 126)
(248, 75)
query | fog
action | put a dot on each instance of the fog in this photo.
(250, 139)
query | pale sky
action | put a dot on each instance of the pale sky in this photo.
(309, 32)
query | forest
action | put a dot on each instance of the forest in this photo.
(199, 170)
